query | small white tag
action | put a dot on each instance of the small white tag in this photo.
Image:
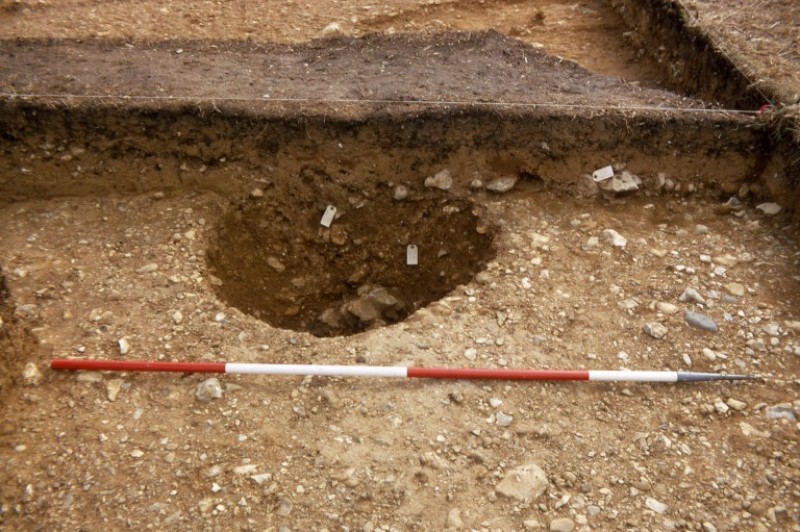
(603, 173)
(412, 255)
(327, 218)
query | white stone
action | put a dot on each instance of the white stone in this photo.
(246, 469)
(442, 180)
(331, 30)
(624, 182)
(400, 193)
(656, 330)
(470, 353)
(736, 404)
(113, 388)
(615, 239)
(503, 419)
(667, 308)
(562, 524)
(124, 346)
(31, 376)
(502, 184)
(208, 389)
(656, 506)
(524, 483)
(769, 209)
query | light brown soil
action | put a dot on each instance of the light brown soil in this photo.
(112, 209)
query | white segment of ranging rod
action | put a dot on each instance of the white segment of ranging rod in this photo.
(317, 370)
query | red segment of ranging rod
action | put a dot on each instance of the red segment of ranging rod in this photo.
(132, 365)
(499, 374)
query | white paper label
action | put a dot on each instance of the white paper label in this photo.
(412, 255)
(603, 173)
(327, 218)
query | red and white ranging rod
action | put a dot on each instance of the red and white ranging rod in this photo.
(410, 372)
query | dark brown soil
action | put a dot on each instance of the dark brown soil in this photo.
(278, 263)
(445, 67)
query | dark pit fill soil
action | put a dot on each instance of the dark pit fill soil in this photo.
(274, 259)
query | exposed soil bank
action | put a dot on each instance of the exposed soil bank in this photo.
(60, 150)
(16, 343)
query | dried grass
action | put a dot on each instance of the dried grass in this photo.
(761, 37)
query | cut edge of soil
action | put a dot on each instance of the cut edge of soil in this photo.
(17, 343)
(696, 66)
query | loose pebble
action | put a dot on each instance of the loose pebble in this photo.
(31, 376)
(562, 524)
(700, 321)
(656, 506)
(442, 180)
(209, 389)
(656, 330)
(615, 239)
(523, 483)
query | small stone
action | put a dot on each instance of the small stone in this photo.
(113, 388)
(454, 519)
(736, 404)
(772, 329)
(691, 295)
(275, 264)
(502, 184)
(721, 407)
(621, 183)
(656, 506)
(615, 239)
(735, 289)
(137, 453)
(666, 308)
(770, 209)
(257, 193)
(781, 412)
(89, 377)
(656, 330)
(476, 184)
(400, 193)
(700, 321)
(209, 389)
(524, 483)
(219, 317)
(562, 524)
(177, 317)
(124, 346)
(31, 376)
(261, 478)
(495, 402)
(246, 469)
(442, 180)
(749, 430)
(503, 419)
(470, 353)
(728, 261)
(531, 524)
(148, 268)
(331, 30)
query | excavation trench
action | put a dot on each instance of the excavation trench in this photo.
(271, 256)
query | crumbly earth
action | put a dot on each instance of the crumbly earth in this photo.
(95, 275)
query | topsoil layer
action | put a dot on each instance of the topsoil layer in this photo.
(462, 67)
